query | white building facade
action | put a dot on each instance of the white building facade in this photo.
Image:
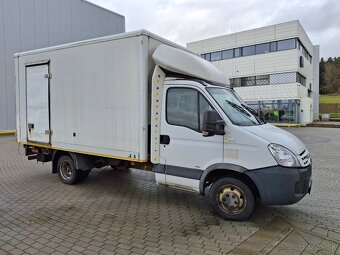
(275, 69)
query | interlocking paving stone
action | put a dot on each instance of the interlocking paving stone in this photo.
(120, 212)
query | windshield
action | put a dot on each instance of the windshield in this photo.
(237, 111)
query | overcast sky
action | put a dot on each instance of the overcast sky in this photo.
(184, 21)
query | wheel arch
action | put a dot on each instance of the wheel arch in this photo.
(55, 157)
(218, 171)
(81, 162)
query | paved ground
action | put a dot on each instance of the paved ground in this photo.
(125, 212)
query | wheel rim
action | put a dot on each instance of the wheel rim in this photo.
(231, 199)
(66, 170)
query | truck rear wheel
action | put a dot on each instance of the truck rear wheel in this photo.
(67, 171)
(232, 199)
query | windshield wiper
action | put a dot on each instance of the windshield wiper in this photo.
(238, 107)
(256, 115)
(241, 110)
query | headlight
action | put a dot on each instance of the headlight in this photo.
(283, 156)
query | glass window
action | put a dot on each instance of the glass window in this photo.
(237, 53)
(273, 46)
(235, 82)
(262, 79)
(262, 48)
(304, 52)
(216, 56)
(226, 54)
(301, 79)
(236, 110)
(248, 50)
(182, 108)
(286, 44)
(207, 56)
(276, 111)
(248, 81)
(204, 106)
(203, 56)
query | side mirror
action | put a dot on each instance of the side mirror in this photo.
(212, 124)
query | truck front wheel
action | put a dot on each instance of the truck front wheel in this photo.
(232, 199)
(67, 171)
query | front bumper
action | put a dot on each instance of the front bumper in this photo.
(279, 185)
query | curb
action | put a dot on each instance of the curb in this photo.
(287, 125)
(323, 125)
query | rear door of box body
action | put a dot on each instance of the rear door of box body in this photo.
(37, 107)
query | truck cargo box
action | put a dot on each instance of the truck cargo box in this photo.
(90, 97)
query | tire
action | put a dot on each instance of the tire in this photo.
(232, 199)
(67, 171)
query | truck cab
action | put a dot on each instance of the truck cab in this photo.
(211, 142)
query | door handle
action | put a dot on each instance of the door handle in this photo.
(165, 139)
(30, 126)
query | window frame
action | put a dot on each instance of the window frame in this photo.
(246, 79)
(262, 77)
(259, 45)
(271, 46)
(248, 47)
(301, 79)
(198, 93)
(217, 59)
(289, 39)
(230, 50)
(239, 50)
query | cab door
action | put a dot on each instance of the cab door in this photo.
(186, 152)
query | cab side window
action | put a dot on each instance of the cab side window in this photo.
(182, 107)
(204, 106)
(185, 107)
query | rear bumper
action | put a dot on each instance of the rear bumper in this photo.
(281, 185)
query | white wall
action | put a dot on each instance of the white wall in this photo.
(267, 63)
(316, 82)
(273, 62)
(269, 92)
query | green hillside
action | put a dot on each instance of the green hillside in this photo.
(327, 99)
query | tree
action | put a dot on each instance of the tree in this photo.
(331, 77)
(321, 72)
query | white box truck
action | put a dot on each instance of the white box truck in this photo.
(138, 100)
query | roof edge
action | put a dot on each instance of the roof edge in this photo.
(100, 7)
(247, 30)
(104, 39)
